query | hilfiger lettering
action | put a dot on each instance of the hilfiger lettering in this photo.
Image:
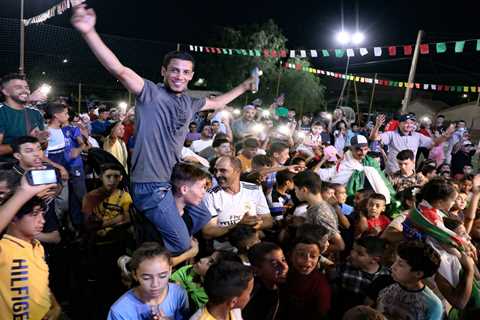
(19, 289)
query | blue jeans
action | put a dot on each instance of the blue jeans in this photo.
(156, 202)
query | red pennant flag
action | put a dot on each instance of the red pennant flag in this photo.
(407, 50)
(392, 51)
(266, 53)
(274, 53)
(417, 85)
(218, 50)
(207, 50)
(446, 88)
(298, 66)
(424, 48)
(283, 53)
(440, 87)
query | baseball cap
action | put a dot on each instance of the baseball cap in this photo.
(408, 116)
(359, 141)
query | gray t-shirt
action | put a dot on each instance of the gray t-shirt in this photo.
(162, 120)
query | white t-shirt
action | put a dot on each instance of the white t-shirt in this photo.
(229, 209)
(199, 145)
(56, 140)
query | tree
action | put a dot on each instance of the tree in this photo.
(303, 91)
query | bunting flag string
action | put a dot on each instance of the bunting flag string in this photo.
(384, 82)
(391, 51)
(53, 11)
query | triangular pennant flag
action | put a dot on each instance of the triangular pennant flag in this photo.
(292, 53)
(440, 87)
(322, 72)
(377, 51)
(283, 53)
(357, 79)
(363, 51)
(434, 87)
(441, 47)
(238, 51)
(407, 50)
(266, 53)
(191, 48)
(325, 53)
(446, 88)
(465, 89)
(258, 53)
(201, 49)
(453, 88)
(417, 85)
(298, 66)
(478, 45)
(350, 53)
(225, 51)
(313, 53)
(473, 89)
(251, 53)
(400, 84)
(377, 81)
(459, 88)
(459, 45)
(218, 50)
(339, 53)
(230, 51)
(274, 53)
(392, 51)
(362, 79)
(303, 54)
(424, 48)
(425, 87)
(244, 52)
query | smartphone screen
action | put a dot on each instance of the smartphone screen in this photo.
(44, 176)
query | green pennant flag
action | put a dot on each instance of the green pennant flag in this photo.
(258, 53)
(453, 88)
(251, 53)
(459, 45)
(225, 51)
(441, 47)
(459, 88)
(326, 54)
(478, 45)
(339, 53)
(244, 52)
(238, 51)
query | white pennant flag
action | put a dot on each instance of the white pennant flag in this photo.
(434, 87)
(201, 49)
(350, 53)
(292, 53)
(425, 87)
(322, 72)
(303, 53)
(363, 51)
(313, 53)
(377, 51)
(191, 48)
(376, 81)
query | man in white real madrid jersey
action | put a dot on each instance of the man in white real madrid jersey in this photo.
(234, 201)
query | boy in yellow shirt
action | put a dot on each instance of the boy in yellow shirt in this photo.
(24, 287)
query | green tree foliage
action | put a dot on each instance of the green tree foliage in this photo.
(303, 91)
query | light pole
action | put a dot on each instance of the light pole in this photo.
(21, 67)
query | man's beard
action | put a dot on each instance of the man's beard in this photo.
(17, 99)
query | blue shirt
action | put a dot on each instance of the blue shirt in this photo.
(130, 307)
(100, 127)
(71, 134)
(346, 209)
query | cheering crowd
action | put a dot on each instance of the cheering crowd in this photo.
(186, 208)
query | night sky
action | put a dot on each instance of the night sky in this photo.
(306, 24)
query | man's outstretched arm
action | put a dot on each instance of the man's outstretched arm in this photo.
(84, 20)
(221, 101)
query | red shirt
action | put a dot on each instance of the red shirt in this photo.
(381, 222)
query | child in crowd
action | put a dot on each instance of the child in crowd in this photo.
(107, 207)
(243, 237)
(191, 277)
(115, 145)
(271, 268)
(313, 139)
(153, 296)
(24, 274)
(307, 293)
(228, 285)
(375, 221)
(341, 197)
(280, 200)
(459, 206)
(409, 297)
(353, 279)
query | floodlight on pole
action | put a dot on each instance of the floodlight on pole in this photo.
(358, 37)
(343, 37)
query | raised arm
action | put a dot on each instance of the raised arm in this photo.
(84, 20)
(379, 121)
(221, 101)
